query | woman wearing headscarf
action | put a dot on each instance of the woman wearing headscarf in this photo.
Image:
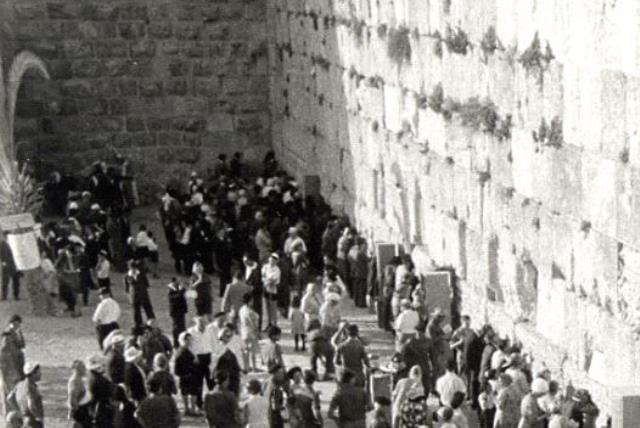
(507, 404)
(330, 314)
(532, 415)
(414, 412)
(201, 284)
(399, 395)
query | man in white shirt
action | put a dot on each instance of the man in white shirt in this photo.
(406, 323)
(201, 346)
(106, 315)
(449, 383)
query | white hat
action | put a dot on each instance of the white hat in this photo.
(30, 367)
(112, 339)
(95, 363)
(95, 207)
(405, 303)
(132, 354)
(539, 386)
(73, 205)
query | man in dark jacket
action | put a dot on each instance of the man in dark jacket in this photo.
(137, 286)
(177, 309)
(9, 271)
(134, 375)
(114, 354)
(101, 390)
(471, 357)
(417, 352)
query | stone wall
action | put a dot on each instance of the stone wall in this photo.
(498, 136)
(171, 83)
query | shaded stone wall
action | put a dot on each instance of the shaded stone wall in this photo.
(171, 83)
(498, 137)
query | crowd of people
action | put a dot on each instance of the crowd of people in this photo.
(277, 255)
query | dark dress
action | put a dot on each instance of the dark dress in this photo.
(101, 390)
(184, 367)
(204, 299)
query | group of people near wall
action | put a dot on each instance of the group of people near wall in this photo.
(277, 255)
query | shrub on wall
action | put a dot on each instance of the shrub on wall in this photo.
(399, 46)
(457, 41)
(358, 27)
(436, 98)
(490, 43)
(549, 135)
(382, 30)
(534, 60)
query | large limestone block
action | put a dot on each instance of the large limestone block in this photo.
(460, 192)
(599, 184)
(387, 12)
(392, 108)
(590, 106)
(632, 119)
(617, 35)
(614, 127)
(524, 164)
(628, 205)
(627, 303)
(501, 79)
(507, 21)
(501, 166)
(432, 128)
(559, 179)
(475, 201)
(418, 15)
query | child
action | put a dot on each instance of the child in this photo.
(297, 323)
(487, 403)
(256, 408)
(249, 328)
(445, 417)
(154, 257)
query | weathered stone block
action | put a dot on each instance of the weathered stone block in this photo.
(176, 87)
(77, 88)
(98, 11)
(29, 10)
(188, 124)
(62, 10)
(93, 106)
(87, 68)
(132, 12)
(150, 89)
(143, 48)
(187, 31)
(220, 122)
(132, 30)
(118, 106)
(78, 49)
(135, 124)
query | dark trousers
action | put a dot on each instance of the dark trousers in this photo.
(104, 283)
(103, 331)
(473, 385)
(14, 278)
(202, 375)
(322, 349)
(486, 418)
(138, 306)
(257, 306)
(179, 325)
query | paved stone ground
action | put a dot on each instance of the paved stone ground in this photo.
(56, 342)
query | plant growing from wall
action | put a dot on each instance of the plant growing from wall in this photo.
(449, 108)
(490, 43)
(321, 62)
(534, 60)
(478, 115)
(314, 17)
(375, 82)
(399, 46)
(446, 6)
(457, 41)
(436, 98)
(624, 155)
(358, 27)
(382, 30)
(437, 44)
(503, 129)
(549, 135)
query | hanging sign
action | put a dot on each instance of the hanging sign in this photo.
(21, 237)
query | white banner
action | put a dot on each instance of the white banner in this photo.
(24, 247)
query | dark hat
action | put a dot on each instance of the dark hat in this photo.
(15, 318)
(382, 400)
(292, 371)
(104, 291)
(273, 368)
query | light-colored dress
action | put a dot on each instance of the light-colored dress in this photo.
(256, 412)
(531, 413)
(297, 321)
(507, 408)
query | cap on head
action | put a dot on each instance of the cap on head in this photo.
(30, 367)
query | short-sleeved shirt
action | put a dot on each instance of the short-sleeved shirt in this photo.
(351, 403)
(352, 355)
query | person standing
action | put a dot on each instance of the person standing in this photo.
(272, 352)
(106, 316)
(233, 295)
(11, 358)
(255, 409)
(351, 354)
(253, 278)
(158, 410)
(221, 405)
(248, 327)
(161, 379)
(406, 323)
(507, 404)
(137, 286)
(223, 253)
(350, 403)
(263, 242)
(27, 396)
(275, 390)
(185, 366)
(202, 286)
(417, 352)
(103, 269)
(79, 397)
(10, 273)
(201, 346)
(271, 281)
(114, 357)
(101, 392)
(342, 263)
(177, 309)
(449, 384)
(359, 271)
(134, 374)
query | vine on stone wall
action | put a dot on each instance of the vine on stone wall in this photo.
(457, 41)
(382, 30)
(549, 135)
(399, 46)
(478, 115)
(534, 60)
(490, 43)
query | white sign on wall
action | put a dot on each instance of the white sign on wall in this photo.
(24, 247)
